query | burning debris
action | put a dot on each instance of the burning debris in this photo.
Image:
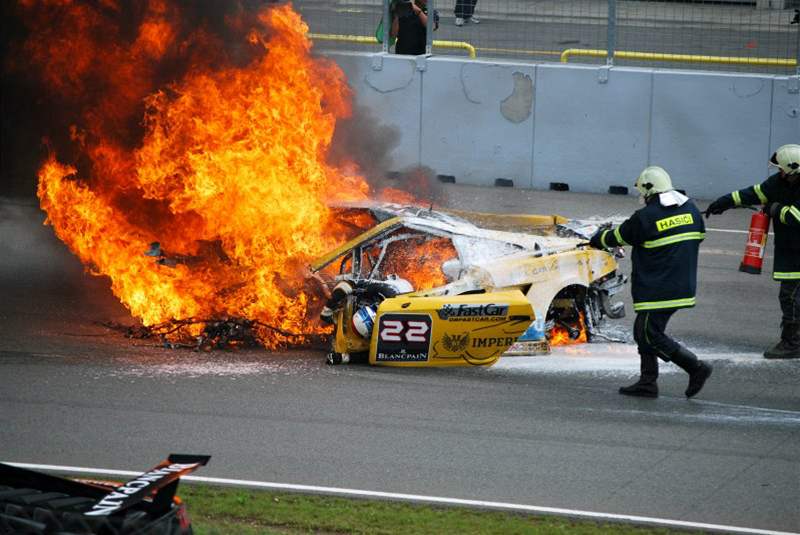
(210, 334)
(565, 323)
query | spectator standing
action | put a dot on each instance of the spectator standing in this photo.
(409, 26)
(464, 12)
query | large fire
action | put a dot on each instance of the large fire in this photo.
(227, 170)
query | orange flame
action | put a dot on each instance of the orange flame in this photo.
(420, 263)
(229, 175)
(559, 336)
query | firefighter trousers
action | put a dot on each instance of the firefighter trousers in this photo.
(789, 296)
(648, 332)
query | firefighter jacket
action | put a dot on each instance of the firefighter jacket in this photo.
(786, 225)
(665, 241)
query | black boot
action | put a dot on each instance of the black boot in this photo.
(646, 386)
(789, 346)
(698, 370)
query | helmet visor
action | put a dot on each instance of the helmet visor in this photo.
(774, 159)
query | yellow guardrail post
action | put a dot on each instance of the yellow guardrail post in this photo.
(457, 44)
(680, 58)
(371, 40)
(367, 40)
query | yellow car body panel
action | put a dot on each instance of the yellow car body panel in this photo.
(358, 240)
(344, 339)
(512, 222)
(456, 330)
(542, 277)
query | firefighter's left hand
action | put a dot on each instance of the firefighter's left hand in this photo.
(719, 206)
(773, 209)
(595, 240)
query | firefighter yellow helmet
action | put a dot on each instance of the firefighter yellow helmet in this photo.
(787, 158)
(653, 180)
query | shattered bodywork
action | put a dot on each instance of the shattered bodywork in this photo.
(34, 502)
(425, 287)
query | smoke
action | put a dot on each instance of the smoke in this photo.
(44, 287)
(31, 254)
(55, 79)
(420, 181)
(22, 117)
(54, 86)
(367, 141)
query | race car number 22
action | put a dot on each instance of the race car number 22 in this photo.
(403, 337)
(411, 330)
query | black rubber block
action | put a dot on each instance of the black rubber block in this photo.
(618, 190)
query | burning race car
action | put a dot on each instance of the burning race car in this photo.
(422, 287)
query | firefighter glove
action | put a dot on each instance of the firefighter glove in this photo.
(719, 206)
(595, 240)
(773, 209)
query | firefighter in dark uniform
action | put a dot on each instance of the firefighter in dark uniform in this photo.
(665, 236)
(780, 196)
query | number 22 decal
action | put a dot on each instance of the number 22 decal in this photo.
(411, 330)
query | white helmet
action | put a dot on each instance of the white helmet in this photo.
(400, 285)
(653, 180)
(363, 320)
(787, 158)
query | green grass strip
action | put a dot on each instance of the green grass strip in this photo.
(221, 510)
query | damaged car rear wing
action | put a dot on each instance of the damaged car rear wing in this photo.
(34, 502)
(161, 482)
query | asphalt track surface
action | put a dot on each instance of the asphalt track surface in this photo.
(548, 431)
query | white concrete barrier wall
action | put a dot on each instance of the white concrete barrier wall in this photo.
(587, 126)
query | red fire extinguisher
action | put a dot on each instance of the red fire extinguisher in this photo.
(756, 244)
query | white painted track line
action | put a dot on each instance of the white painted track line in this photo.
(416, 498)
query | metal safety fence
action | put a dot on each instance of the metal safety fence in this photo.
(752, 36)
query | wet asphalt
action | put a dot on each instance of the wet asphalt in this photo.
(548, 431)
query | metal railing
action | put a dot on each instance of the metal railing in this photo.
(677, 58)
(631, 32)
(371, 40)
